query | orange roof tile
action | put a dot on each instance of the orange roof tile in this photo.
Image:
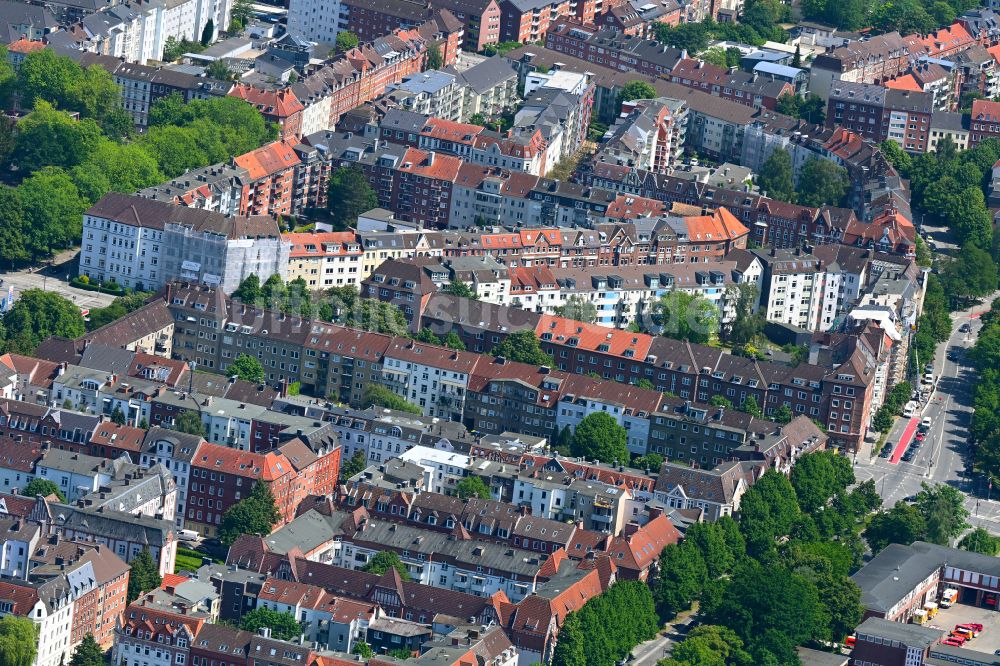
(24, 45)
(265, 466)
(331, 243)
(720, 225)
(592, 336)
(451, 130)
(995, 52)
(281, 103)
(431, 165)
(268, 160)
(905, 82)
(949, 37)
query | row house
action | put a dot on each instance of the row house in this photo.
(155, 636)
(879, 113)
(611, 49)
(278, 106)
(747, 88)
(871, 61)
(326, 259)
(49, 606)
(99, 580)
(142, 85)
(942, 83)
(984, 121)
(123, 533)
(348, 361)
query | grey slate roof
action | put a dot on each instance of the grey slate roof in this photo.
(911, 635)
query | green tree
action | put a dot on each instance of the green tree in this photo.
(346, 40)
(924, 257)
(434, 58)
(687, 316)
(715, 55)
(38, 315)
(971, 274)
(249, 291)
(218, 69)
(247, 368)
(883, 419)
(751, 407)
(522, 347)
(644, 383)
(768, 510)
(350, 195)
(453, 341)
(571, 647)
(13, 232)
(363, 649)
(709, 645)
(385, 560)
(783, 414)
(208, 33)
(117, 416)
(902, 524)
(460, 289)
(256, 514)
(382, 397)
(354, 465)
(683, 574)
(980, 541)
(747, 324)
(710, 540)
(691, 37)
(599, 437)
(240, 15)
(775, 176)
(637, 90)
(53, 211)
(87, 653)
(651, 461)
(189, 421)
(144, 575)
(718, 400)
(818, 476)
(128, 167)
(822, 183)
(944, 512)
(42, 487)
(427, 335)
(49, 137)
(18, 641)
(283, 625)
(578, 309)
(473, 486)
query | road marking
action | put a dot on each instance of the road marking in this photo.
(904, 441)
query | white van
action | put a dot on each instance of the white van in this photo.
(929, 378)
(188, 535)
(910, 408)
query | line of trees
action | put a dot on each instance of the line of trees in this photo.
(760, 22)
(985, 428)
(607, 627)
(905, 16)
(67, 164)
(778, 576)
(820, 183)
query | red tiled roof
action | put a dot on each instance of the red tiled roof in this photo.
(268, 160)
(24, 45)
(281, 103)
(642, 548)
(438, 167)
(590, 336)
(23, 598)
(330, 243)
(984, 109)
(995, 52)
(629, 207)
(905, 82)
(264, 466)
(720, 225)
(124, 437)
(947, 38)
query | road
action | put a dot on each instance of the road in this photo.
(943, 456)
(54, 277)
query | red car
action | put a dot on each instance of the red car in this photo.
(920, 436)
(952, 642)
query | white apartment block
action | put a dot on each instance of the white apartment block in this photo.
(317, 20)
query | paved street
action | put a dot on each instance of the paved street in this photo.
(943, 456)
(54, 278)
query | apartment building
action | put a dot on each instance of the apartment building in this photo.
(879, 113)
(278, 106)
(431, 93)
(155, 636)
(748, 88)
(141, 243)
(325, 259)
(791, 287)
(489, 87)
(984, 121)
(271, 172)
(49, 605)
(529, 20)
(871, 61)
(611, 49)
(651, 136)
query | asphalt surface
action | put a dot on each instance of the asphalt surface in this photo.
(944, 455)
(54, 277)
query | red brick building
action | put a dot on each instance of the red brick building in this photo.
(279, 106)
(984, 122)
(528, 20)
(271, 170)
(221, 477)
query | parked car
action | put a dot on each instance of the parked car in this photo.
(886, 451)
(920, 436)
(966, 327)
(926, 423)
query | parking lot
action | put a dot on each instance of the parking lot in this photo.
(988, 641)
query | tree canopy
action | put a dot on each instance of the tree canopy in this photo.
(42, 487)
(775, 178)
(384, 397)
(608, 626)
(522, 346)
(350, 195)
(687, 316)
(822, 183)
(346, 40)
(385, 560)
(473, 486)
(599, 437)
(144, 575)
(247, 368)
(18, 641)
(283, 625)
(36, 316)
(87, 653)
(256, 514)
(579, 309)
(354, 465)
(637, 90)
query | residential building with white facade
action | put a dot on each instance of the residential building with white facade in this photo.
(143, 244)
